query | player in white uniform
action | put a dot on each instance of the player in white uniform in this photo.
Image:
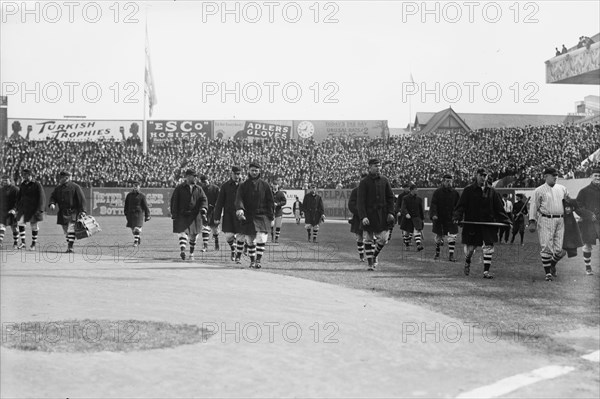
(546, 212)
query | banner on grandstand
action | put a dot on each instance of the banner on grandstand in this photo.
(253, 129)
(290, 196)
(321, 130)
(111, 201)
(167, 130)
(74, 130)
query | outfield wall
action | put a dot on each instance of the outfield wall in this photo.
(102, 201)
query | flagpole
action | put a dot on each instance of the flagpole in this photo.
(145, 135)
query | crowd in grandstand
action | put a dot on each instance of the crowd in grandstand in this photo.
(518, 154)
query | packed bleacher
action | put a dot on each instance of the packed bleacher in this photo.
(517, 154)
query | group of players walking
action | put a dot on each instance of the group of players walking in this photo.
(246, 212)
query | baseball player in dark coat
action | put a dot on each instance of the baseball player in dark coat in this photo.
(297, 209)
(412, 215)
(188, 211)
(518, 216)
(71, 204)
(406, 235)
(254, 207)
(212, 194)
(355, 222)
(136, 212)
(8, 201)
(480, 203)
(280, 201)
(443, 201)
(589, 210)
(314, 212)
(225, 205)
(375, 209)
(31, 201)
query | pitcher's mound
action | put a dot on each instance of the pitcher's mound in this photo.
(99, 335)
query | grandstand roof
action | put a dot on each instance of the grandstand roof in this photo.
(431, 121)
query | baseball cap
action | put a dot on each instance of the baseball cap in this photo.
(550, 171)
(191, 172)
(203, 178)
(64, 173)
(374, 161)
(236, 169)
(27, 171)
(254, 164)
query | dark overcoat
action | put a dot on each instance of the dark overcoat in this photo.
(225, 205)
(375, 202)
(8, 201)
(413, 206)
(443, 201)
(398, 204)
(280, 201)
(588, 200)
(355, 223)
(31, 201)
(478, 204)
(136, 209)
(572, 236)
(186, 204)
(212, 194)
(70, 201)
(255, 197)
(313, 209)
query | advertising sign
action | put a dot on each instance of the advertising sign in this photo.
(73, 130)
(320, 130)
(111, 201)
(166, 130)
(253, 129)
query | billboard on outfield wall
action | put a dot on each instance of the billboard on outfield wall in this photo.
(74, 129)
(111, 201)
(253, 129)
(166, 130)
(290, 196)
(321, 130)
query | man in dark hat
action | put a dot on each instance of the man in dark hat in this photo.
(136, 212)
(480, 204)
(8, 200)
(226, 205)
(314, 212)
(280, 201)
(30, 207)
(212, 193)
(443, 202)
(407, 236)
(355, 222)
(546, 214)
(412, 215)
(375, 205)
(71, 204)
(188, 210)
(254, 206)
(519, 214)
(589, 210)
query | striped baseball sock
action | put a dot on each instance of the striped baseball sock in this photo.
(587, 259)
(361, 249)
(260, 250)
(557, 257)
(22, 234)
(193, 244)
(451, 246)
(315, 233)
(15, 236)
(205, 237)
(487, 262)
(437, 249)
(2, 232)
(70, 238)
(252, 252)
(240, 249)
(34, 237)
(182, 243)
(405, 239)
(418, 239)
(378, 248)
(546, 261)
(277, 233)
(136, 235)
(369, 252)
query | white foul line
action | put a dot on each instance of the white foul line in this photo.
(515, 382)
(592, 357)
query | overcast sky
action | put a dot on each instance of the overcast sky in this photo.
(289, 60)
